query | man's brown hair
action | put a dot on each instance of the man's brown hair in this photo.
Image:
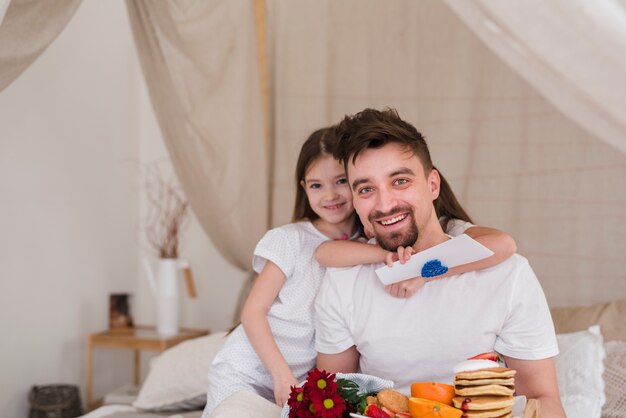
(373, 128)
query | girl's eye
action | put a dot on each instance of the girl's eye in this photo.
(342, 181)
(315, 186)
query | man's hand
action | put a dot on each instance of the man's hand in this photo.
(536, 379)
(405, 288)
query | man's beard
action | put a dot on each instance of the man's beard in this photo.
(391, 242)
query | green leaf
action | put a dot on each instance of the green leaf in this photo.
(349, 391)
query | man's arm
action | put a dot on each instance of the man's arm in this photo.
(536, 379)
(344, 362)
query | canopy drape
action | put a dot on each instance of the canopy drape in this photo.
(529, 150)
(4, 4)
(572, 51)
(26, 30)
(201, 64)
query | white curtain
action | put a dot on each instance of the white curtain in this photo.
(4, 4)
(572, 51)
(27, 27)
(514, 160)
(201, 64)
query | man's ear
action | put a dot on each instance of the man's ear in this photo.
(434, 182)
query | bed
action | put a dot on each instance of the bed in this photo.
(591, 369)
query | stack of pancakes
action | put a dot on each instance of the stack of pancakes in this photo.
(485, 393)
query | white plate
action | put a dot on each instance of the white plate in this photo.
(518, 408)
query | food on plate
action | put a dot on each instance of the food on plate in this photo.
(425, 408)
(483, 403)
(433, 391)
(494, 381)
(469, 365)
(489, 373)
(389, 402)
(484, 392)
(492, 413)
(393, 400)
(509, 381)
(374, 411)
(493, 356)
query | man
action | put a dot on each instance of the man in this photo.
(360, 327)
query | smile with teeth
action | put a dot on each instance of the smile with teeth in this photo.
(393, 220)
(334, 207)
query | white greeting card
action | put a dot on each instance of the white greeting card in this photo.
(454, 252)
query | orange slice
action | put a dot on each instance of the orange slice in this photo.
(433, 391)
(425, 408)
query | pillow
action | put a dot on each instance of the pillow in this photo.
(177, 379)
(579, 370)
(611, 316)
(615, 380)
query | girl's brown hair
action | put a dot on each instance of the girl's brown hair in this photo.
(447, 206)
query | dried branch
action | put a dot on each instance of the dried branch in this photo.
(167, 210)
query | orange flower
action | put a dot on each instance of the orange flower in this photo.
(433, 391)
(424, 408)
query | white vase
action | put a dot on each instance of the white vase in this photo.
(166, 288)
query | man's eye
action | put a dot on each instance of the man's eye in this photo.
(342, 181)
(401, 181)
(365, 190)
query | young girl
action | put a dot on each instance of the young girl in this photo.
(273, 347)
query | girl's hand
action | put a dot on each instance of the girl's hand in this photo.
(282, 388)
(405, 288)
(402, 254)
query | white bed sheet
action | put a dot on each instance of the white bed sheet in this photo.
(105, 410)
(108, 410)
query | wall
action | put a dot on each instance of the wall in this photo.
(74, 128)
(217, 282)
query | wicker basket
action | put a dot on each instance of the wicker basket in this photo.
(54, 401)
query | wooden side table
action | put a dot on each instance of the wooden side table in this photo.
(137, 339)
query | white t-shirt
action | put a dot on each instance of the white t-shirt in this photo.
(456, 227)
(448, 320)
(237, 366)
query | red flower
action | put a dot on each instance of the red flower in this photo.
(296, 397)
(318, 382)
(321, 397)
(331, 405)
(299, 403)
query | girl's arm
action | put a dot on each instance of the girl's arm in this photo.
(501, 243)
(256, 325)
(336, 253)
(342, 253)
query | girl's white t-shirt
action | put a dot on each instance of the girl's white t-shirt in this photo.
(291, 247)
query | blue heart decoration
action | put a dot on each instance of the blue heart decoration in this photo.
(433, 268)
